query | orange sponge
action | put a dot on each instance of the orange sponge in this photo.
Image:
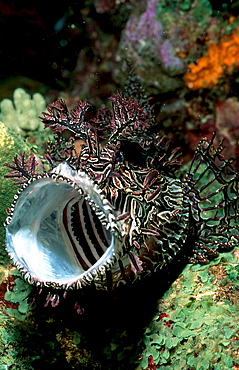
(221, 57)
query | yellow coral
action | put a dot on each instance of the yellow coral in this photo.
(209, 69)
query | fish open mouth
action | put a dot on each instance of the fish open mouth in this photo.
(62, 232)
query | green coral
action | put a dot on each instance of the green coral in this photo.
(11, 144)
(200, 10)
(19, 294)
(197, 322)
(23, 348)
(22, 114)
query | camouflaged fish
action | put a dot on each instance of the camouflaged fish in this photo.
(110, 209)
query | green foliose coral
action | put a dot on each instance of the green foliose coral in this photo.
(19, 295)
(196, 326)
(11, 144)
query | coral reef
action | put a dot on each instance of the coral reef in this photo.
(10, 143)
(161, 40)
(114, 244)
(92, 75)
(193, 324)
(227, 124)
(21, 114)
(18, 295)
(185, 24)
(210, 68)
(151, 54)
(201, 11)
(103, 6)
(180, 334)
(196, 324)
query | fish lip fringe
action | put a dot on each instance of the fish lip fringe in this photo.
(36, 247)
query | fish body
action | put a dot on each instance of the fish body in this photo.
(111, 209)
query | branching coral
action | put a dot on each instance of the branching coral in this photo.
(21, 115)
(220, 58)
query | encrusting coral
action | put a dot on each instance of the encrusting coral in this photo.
(10, 143)
(220, 58)
(144, 44)
(21, 114)
(196, 325)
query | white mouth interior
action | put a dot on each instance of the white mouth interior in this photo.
(56, 235)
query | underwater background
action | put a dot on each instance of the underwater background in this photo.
(186, 55)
